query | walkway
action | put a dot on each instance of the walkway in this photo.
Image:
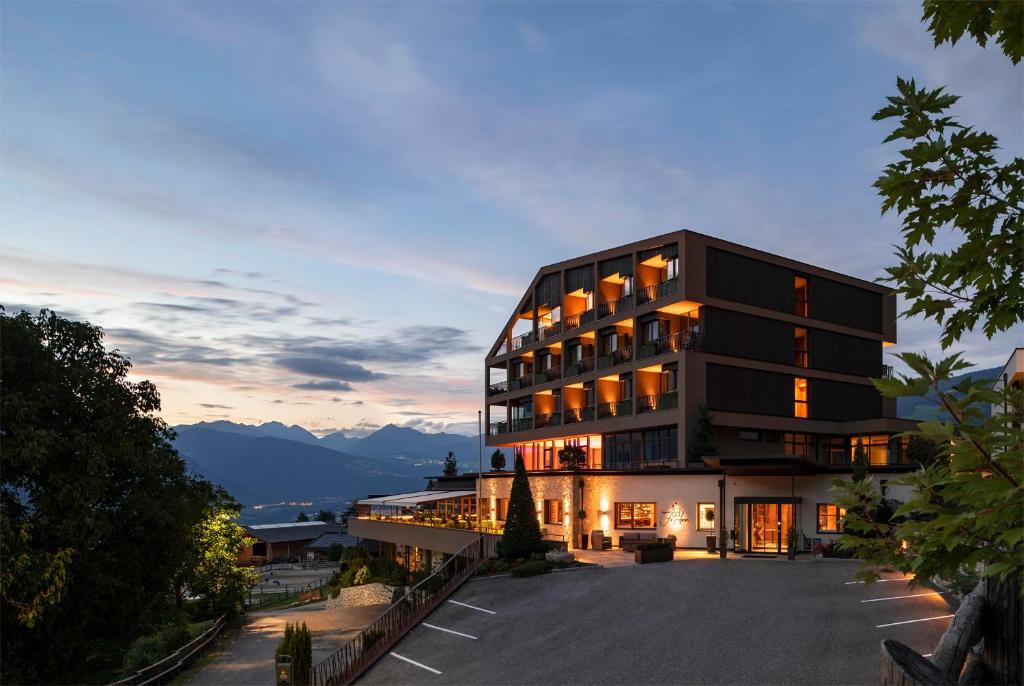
(248, 657)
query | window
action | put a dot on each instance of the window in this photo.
(750, 435)
(799, 444)
(834, 452)
(627, 286)
(638, 449)
(553, 512)
(705, 516)
(549, 455)
(830, 518)
(800, 347)
(672, 268)
(626, 387)
(634, 515)
(875, 447)
(800, 296)
(800, 397)
(502, 509)
(669, 378)
(609, 343)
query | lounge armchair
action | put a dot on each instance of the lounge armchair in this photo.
(631, 539)
(598, 541)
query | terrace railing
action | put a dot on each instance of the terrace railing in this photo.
(552, 329)
(576, 415)
(661, 346)
(346, 664)
(499, 428)
(616, 357)
(617, 408)
(654, 403)
(548, 419)
(657, 291)
(524, 381)
(520, 341)
(551, 374)
(522, 424)
(580, 367)
(887, 372)
(575, 321)
(497, 388)
(615, 306)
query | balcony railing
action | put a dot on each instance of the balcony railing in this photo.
(549, 419)
(499, 428)
(661, 346)
(887, 372)
(616, 357)
(576, 415)
(657, 291)
(521, 341)
(616, 408)
(552, 329)
(523, 381)
(580, 367)
(496, 388)
(546, 375)
(615, 306)
(654, 403)
(575, 321)
(522, 424)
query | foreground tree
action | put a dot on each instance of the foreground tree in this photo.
(327, 516)
(572, 457)
(497, 460)
(522, 530)
(97, 510)
(451, 466)
(699, 444)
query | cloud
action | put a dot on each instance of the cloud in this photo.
(328, 368)
(332, 385)
(212, 406)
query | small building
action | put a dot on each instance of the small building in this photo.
(317, 549)
(281, 542)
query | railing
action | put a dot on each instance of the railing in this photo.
(522, 424)
(552, 329)
(575, 321)
(581, 367)
(548, 419)
(887, 372)
(617, 408)
(653, 403)
(344, 665)
(462, 522)
(521, 341)
(176, 661)
(523, 381)
(616, 357)
(550, 374)
(499, 428)
(496, 388)
(615, 306)
(657, 291)
(261, 595)
(576, 415)
(661, 346)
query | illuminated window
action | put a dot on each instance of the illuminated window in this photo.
(800, 347)
(553, 512)
(502, 509)
(800, 295)
(634, 515)
(705, 516)
(875, 447)
(800, 397)
(830, 518)
(799, 444)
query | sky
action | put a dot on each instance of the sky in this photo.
(323, 213)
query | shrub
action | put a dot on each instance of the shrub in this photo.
(297, 644)
(572, 457)
(362, 576)
(335, 551)
(356, 552)
(964, 581)
(144, 652)
(348, 578)
(533, 568)
(497, 460)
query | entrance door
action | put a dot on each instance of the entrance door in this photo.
(768, 525)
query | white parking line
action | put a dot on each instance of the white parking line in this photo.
(413, 662)
(441, 628)
(877, 581)
(898, 597)
(473, 607)
(912, 621)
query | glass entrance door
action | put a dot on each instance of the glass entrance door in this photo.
(767, 526)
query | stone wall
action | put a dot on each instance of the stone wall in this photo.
(356, 596)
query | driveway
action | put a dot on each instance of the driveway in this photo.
(694, 621)
(248, 656)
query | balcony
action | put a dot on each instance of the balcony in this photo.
(497, 388)
(497, 428)
(575, 321)
(655, 403)
(616, 408)
(887, 372)
(520, 341)
(657, 291)
(549, 419)
(580, 367)
(672, 343)
(522, 424)
(546, 375)
(576, 415)
(616, 357)
(615, 306)
(524, 381)
(553, 329)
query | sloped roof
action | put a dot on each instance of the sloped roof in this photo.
(290, 531)
(325, 541)
(415, 498)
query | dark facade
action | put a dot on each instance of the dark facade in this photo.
(615, 350)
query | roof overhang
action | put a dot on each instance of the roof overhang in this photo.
(762, 465)
(416, 498)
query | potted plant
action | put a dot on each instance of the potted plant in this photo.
(660, 551)
(584, 537)
(709, 517)
(792, 540)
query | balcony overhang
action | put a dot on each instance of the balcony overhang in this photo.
(762, 465)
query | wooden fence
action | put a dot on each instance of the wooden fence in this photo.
(162, 671)
(261, 597)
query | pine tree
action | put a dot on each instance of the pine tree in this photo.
(860, 461)
(451, 467)
(700, 444)
(522, 531)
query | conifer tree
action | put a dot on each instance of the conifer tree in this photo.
(700, 444)
(522, 530)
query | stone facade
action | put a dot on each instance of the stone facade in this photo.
(357, 596)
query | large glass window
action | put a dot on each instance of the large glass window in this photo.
(800, 296)
(876, 448)
(502, 509)
(800, 397)
(800, 346)
(705, 516)
(553, 511)
(799, 444)
(636, 449)
(830, 518)
(634, 515)
(834, 452)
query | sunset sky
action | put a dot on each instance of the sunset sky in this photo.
(323, 213)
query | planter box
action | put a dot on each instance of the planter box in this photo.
(654, 555)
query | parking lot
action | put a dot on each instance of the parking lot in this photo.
(704, 621)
